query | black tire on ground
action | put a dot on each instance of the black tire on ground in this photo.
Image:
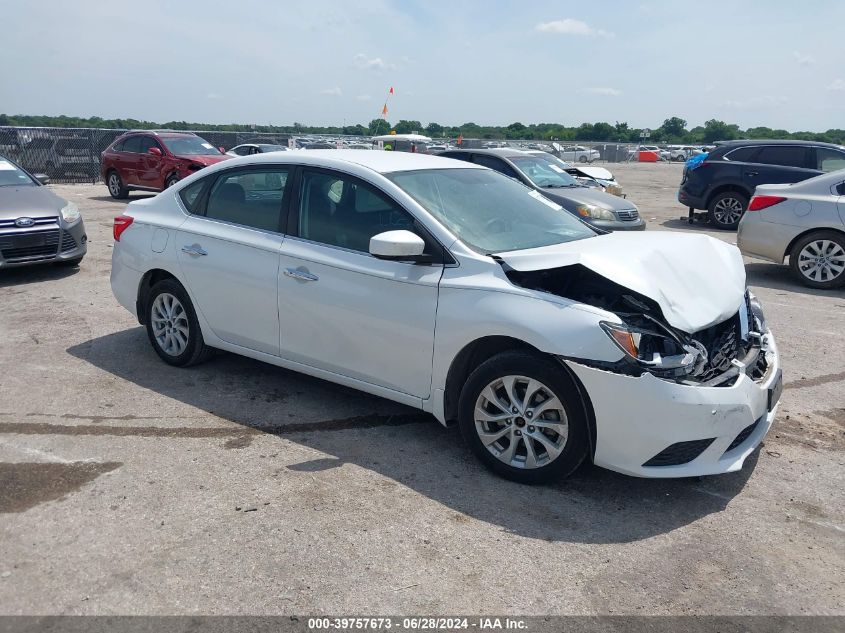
(582, 159)
(115, 185)
(823, 244)
(196, 351)
(172, 179)
(551, 374)
(726, 209)
(70, 262)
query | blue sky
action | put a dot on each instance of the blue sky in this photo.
(753, 62)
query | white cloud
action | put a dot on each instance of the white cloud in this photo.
(838, 85)
(601, 91)
(763, 101)
(364, 98)
(333, 92)
(371, 63)
(568, 26)
(803, 59)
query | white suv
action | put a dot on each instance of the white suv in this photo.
(454, 289)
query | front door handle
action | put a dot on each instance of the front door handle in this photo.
(300, 274)
(194, 249)
(751, 173)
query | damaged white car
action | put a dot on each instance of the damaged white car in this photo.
(451, 288)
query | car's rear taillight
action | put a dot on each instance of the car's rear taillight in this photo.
(763, 202)
(121, 223)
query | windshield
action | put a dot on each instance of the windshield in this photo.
(12, 176)
(189, 146)
(490, 212)
(544, 172)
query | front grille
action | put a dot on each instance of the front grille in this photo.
(744, 434)
(68, 243)
(680, 453)
(29, 245)
(42, 221)
(722, 344)
(628, 215)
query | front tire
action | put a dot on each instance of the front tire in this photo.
(818, 260)
(172, 179)
(726, 209)
(117, 190)
(523, 417)
(172, 325)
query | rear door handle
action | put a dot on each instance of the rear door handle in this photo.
(751, 173)
(300, 274)
(194, 249)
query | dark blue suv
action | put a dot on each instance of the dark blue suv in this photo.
(723, 183)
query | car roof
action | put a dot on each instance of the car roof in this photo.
(774, 141)
(383, 162)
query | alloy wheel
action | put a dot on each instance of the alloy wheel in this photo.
(821, 261)
(727, 211)
(521, 422)
(114, 185)
(170, 324)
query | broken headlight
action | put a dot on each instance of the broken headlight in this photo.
(657, 349)
(757, 313)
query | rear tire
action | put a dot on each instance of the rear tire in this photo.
(582, 159)
(818, 260)
(117, 190)
(533, 420)
(172, 325)
(726, 209)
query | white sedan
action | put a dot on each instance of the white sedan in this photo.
(448, 287)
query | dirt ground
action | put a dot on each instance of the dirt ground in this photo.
(131, 487)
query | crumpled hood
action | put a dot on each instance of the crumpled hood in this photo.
(599, 173)
(28, 201)
(696, 280)
(571, 197)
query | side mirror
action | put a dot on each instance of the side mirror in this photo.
(396, 245)
(155, 151)
(221, 149)
(44, 179)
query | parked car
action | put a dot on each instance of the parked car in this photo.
(681, 153)
(154, 161)
(662, 154)
(804, 222)
(578, 154)
(247, 149)
(36, 225)
(724, 181)
(455, 290)
(587, 175)
(58, 157)
(547, 176)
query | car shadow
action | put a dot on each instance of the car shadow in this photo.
(779, 277)
(132, 196)
(408, 447)
(35, 273)
(680, 223)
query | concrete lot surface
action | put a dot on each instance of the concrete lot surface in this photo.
(131, 487)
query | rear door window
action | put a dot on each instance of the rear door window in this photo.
(251, 197)
(132, 144)
(829, 159)
(742, 154)
(783, 155)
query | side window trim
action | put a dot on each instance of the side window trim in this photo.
(213, 179)
(440, 255)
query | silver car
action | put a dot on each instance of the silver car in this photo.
(36, 225)
(804, 221)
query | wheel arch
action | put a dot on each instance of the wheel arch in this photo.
(148, 280)
(478, 351)
(727, 187)
(800, 236)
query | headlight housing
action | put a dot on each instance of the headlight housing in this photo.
(595, 212)
(657, 349)
(70, 213)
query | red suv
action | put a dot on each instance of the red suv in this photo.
(153, 161)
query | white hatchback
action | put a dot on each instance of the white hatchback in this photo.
(449, 287)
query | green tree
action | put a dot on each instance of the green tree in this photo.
(406, 127)
(715, 130)
(673, 128)
(434, 130)
(378, 126)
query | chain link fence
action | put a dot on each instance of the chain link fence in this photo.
(72, 155)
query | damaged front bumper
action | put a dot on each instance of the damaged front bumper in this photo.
(652, 427)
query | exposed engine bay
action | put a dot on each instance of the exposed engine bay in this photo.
(714, 356)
